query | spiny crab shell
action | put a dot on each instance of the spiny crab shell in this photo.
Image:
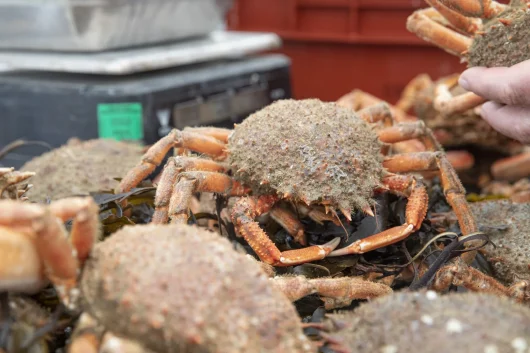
(80, 167)
(504, 39)
(508, 227)
(181, 288)
(316, 151)
(427, 322)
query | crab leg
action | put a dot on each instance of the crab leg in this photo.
(410, 92)
(377, 112)
(357, 100)
(51, 240)
(334, 292)
(174, 167)
(156, 153)
(467, 24)
(460, 160)
(453, 189)
(402, 163)
(408, 131)
(424, 26)
(475, 8)
(460, 274)
(288, 220)
(199, 181)
(415, 213)
(418, 199)
(217, 133)
(243, 214)
(512, 168)
(85, 227)
(459, 104)
(447, 104)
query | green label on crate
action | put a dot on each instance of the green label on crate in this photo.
(120, 121)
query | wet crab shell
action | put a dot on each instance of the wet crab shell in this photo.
(79, 168)
(503, 43)
(507, 225)
(426, 322)
(313, 150)
(179, 288)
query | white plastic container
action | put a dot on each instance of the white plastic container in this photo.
(99, 25)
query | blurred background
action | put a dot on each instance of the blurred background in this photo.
(133, 69)
(338, 45)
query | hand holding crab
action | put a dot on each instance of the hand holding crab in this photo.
(508, 92)
(492, 38)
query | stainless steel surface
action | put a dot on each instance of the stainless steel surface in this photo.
(217, 45)
(96, 25)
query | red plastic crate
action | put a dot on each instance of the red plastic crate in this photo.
(339, 45)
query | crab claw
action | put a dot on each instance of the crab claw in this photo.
(384, 238)
(311, 253)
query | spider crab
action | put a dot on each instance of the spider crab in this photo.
(427, 322)
(304, 151)
(225, 300)
(508, 228)
(482, 32)
(80, 167)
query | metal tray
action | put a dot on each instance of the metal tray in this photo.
(97, 25)
(217, 45)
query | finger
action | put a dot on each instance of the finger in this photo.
(510, 120)
(500, 84)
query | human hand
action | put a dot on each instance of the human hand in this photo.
(508, 92)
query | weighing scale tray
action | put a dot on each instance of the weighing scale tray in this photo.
(218, 45)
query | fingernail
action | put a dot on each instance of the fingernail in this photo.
(462, 81)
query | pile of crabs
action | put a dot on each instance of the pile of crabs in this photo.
(310, 227)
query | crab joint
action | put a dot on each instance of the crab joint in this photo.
(380, 240)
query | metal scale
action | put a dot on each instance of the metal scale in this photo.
(136, 93)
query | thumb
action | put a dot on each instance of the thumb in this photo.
(507, 85)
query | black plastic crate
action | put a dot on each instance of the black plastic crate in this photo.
(53, 107)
